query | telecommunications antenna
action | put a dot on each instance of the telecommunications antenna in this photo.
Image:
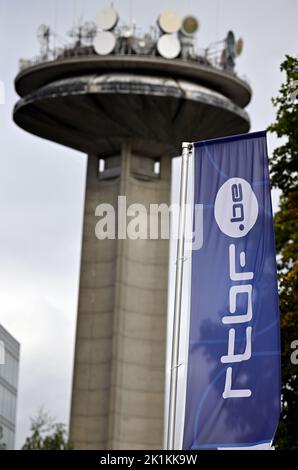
(76, 33)
(143, 45)
(107, 19)
(43, 32)
(126, 32)
(169, 46)
(169, 22)
(43, 35)
(190, 25)
(89, 30)
(230, 43)
(104, 42)
(239, 46)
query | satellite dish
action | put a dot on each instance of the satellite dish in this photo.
(126, 32)
(190, 25)
(107, 19)
(168, 46)
(143, 45)
(239, 46)
(230, 43)
(169, 22)
(104, 42)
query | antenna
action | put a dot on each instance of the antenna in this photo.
(107, 19)
(104, 42)
(169, 46)
(169, 22)
(76, 33)
(43, 36)
(84, 33)
(239, 46)
(229, 52)
(190, 26)
(143, 45)
(230, 43)
(89, 30)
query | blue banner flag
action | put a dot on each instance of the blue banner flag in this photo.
(233, 374)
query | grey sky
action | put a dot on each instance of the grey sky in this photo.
(41, 183)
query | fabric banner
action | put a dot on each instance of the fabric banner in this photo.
(233, 374)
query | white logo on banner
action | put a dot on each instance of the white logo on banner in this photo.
(236, 208)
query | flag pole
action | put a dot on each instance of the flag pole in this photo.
(186, 150)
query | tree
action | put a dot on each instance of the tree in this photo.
(284, 174)
(46, 434)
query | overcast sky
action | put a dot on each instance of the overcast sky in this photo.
(41, 183)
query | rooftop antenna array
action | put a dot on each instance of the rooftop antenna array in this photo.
(171, 38)
(84, 34)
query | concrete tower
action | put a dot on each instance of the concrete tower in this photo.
(126, 102)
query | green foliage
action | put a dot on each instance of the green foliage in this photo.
(284, 166)
(46, 434)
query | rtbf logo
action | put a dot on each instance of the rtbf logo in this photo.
(236, 208)
(236, 211)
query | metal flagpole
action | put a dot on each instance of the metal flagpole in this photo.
(186, 149)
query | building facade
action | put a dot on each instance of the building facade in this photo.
(9, 371)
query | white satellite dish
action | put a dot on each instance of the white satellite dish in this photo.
(169, 46)
(104, 42)
(107, 19)
(169, 22)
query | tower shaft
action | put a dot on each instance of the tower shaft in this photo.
(119, 370)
